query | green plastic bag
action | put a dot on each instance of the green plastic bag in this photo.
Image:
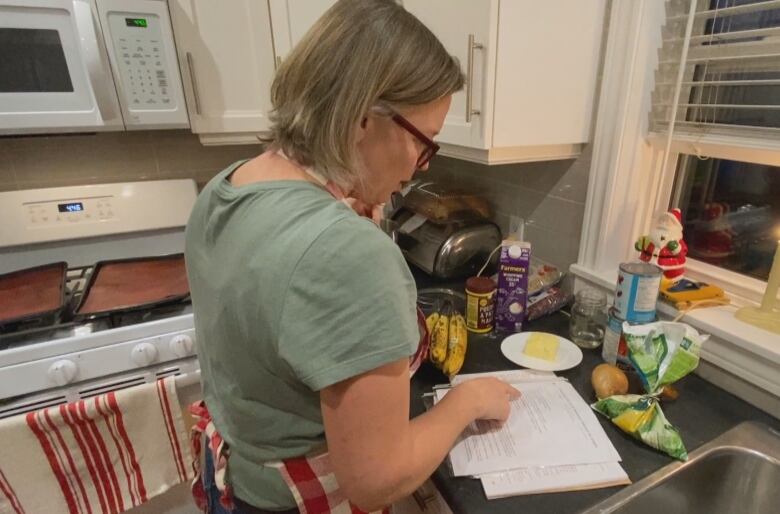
(661, 353)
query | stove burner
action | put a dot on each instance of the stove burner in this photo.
(75, 278)
(48, 329)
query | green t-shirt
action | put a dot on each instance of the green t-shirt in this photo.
(292, 292)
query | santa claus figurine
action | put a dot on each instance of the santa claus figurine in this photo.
(665, 246)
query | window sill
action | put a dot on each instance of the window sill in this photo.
(742, 350)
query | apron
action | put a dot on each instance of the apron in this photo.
(310, 478)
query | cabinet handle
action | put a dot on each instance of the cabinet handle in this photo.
(470, 78)
(194, 83)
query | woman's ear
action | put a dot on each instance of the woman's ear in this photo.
(363, 128)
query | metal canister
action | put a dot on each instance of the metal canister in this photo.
(480, 304)
(615, 350)
(637, 291)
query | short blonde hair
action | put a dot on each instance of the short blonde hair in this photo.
(359, 55)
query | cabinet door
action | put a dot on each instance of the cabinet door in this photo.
(546, 72)
(453, 22)
(227, 63)
(291, 19)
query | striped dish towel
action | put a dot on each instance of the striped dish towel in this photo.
(102, 455)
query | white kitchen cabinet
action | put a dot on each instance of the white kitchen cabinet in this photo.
(467, 29)
(531, 70)
(227, 62)
(228, 54)
(290, 19)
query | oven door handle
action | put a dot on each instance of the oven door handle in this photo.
(188, 379)
(96, 58)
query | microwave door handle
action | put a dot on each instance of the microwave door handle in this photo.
(96, 58)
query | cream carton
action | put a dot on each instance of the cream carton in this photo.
(512, 285)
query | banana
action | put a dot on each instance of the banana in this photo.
(430, 322)
(456, 347)
(439, 340)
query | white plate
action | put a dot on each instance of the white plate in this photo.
(569, 354)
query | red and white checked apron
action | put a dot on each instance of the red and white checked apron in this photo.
(311, 479)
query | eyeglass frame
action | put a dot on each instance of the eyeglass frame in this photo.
(431, 148)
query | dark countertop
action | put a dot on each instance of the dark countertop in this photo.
(702, 412)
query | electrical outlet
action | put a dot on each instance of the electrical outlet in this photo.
(516, 228)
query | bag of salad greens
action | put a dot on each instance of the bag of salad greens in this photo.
(661, 353)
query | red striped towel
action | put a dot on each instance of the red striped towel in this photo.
(102, 455)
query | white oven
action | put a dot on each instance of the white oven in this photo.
(56, 359)
(53, 361)
(88, 65)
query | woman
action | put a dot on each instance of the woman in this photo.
(304, 310)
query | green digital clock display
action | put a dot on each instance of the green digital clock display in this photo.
(136, 22)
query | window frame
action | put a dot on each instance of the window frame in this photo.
(630, 182)
(743, 288)
(628, 170)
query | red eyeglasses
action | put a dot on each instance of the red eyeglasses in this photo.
(430, 147)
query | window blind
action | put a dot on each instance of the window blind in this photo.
(724, 56)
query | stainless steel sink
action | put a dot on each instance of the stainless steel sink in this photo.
(736, 473)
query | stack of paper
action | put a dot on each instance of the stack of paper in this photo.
(552, 441)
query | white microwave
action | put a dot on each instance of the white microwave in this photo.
(88, 65)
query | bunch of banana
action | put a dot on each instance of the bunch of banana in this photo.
(449, 339)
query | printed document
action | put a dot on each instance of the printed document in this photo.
(551, 479)
(549, 425)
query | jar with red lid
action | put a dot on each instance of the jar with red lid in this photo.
(480, 304)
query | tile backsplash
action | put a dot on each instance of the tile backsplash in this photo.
(549, 196)
(64, 160)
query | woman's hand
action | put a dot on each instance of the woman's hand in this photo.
(378, 455)
(373, 212)
(490, 397)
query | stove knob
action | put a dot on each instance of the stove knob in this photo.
(181, 345)
(63, 372)
(144, 354)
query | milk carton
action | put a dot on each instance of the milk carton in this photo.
(512, 285)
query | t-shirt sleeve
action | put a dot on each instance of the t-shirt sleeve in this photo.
(350, 306)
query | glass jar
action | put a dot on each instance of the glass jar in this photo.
(588, 318)
(480, 304)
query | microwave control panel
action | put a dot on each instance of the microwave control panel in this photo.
(140, 45)
(142, 60)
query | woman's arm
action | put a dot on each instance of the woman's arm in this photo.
(377, 453)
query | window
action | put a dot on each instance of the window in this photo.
(637, 170)
(731, 212)
(728, 76)
(721, 94)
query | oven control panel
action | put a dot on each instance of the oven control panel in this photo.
(63, 212)
(73, 213)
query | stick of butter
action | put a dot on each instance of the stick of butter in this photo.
(542, 346)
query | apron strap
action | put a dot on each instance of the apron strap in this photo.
(218, 448)
(326, 184)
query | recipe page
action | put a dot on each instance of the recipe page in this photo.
(549, 425)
